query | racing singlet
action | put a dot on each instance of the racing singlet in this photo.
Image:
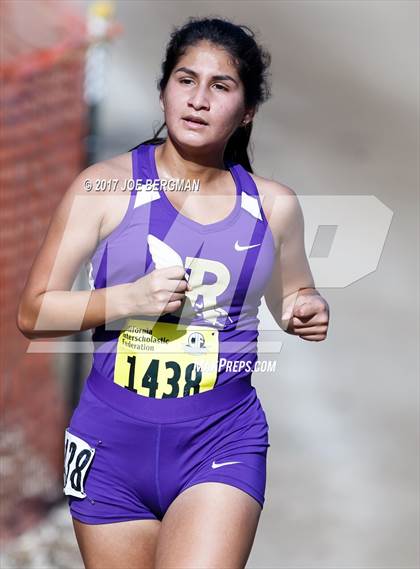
(212, 338)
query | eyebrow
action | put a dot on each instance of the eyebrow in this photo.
(216, 77)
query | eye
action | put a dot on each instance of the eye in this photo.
(223, 88)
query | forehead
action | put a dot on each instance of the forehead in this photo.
(208, 58)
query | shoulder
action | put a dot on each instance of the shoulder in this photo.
(280, 204)
(271, 189)
(116, 168)
(82, 198)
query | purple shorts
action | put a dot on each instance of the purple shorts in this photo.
(148, 451)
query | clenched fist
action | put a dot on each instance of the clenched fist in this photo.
(307, 317)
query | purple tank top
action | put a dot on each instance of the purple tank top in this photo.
(212, 339)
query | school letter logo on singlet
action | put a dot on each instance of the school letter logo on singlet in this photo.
(164, 359)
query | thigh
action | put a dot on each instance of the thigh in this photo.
(210, 524)
(131, 545)
(118, 484)
(229, 447)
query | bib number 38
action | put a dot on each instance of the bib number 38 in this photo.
(78, 456)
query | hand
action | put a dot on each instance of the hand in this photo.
(159, 292)
(308, 317)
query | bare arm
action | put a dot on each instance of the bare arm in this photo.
(49, 308)
(291, 276)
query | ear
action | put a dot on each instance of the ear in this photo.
(248, 116)
(162, 106)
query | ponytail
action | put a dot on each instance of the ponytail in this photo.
(236, 148)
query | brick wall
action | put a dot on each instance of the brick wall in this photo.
(42, 130)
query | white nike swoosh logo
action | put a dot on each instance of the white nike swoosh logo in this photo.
(215, 465)
(244, 247)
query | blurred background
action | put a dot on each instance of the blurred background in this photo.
(78, 84)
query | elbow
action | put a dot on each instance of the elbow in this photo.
(24, 323)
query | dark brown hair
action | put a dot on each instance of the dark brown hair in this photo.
(252, 62)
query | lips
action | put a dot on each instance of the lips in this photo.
(192, 118)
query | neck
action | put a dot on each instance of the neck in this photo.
(188, 163)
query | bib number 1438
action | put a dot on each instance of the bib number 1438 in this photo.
(163, 359)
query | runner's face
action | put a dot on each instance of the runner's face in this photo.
(218, 101)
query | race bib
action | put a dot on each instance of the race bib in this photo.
(161, 359)
(78, 456)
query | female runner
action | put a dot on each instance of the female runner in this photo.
(165, 455)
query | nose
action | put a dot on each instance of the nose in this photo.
(198, 98)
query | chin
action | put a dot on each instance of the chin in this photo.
(191, 139)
